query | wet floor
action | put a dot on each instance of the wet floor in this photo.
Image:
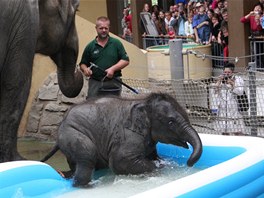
(35, 150)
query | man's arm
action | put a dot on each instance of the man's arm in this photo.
(196, 35)
(116, 67)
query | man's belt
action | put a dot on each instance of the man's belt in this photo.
(103, 79)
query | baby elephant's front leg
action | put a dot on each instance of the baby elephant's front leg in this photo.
(142, 166)
(132, 166)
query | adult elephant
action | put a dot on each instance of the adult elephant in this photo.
(29, 27)
(122, 134)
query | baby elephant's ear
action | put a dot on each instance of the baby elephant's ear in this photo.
(138, 120)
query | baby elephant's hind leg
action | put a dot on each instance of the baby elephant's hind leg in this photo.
(86, 157)
(82, 151)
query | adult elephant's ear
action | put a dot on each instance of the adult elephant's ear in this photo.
(138, 120)
(75, 4)
(67, 7)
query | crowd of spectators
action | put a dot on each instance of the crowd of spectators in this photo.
(203, 21)
(197, 19)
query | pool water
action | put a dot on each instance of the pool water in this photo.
(233, 165)
(104, 181)
(107, 184)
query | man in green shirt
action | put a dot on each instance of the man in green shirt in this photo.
(109, 55)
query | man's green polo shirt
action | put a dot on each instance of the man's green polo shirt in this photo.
(104, 57)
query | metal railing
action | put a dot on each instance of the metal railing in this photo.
(257, 51)
(150, 40)
(217, 50)
(256, 48)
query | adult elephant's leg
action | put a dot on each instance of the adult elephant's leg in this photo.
(16, 71)
(15, 86)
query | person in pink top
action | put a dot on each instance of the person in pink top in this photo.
(253, 18)
(215, 4)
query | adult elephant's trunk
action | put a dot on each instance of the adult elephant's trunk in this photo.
(193, 138)
(70, 78)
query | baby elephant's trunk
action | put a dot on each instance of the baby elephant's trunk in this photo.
(193, 138)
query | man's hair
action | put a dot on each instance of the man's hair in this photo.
(168, 12)
(102, 18)
(224, 11)
(230, 66)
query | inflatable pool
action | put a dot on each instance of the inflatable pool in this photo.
(233, 167)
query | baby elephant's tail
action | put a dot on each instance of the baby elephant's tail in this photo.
(51, 153)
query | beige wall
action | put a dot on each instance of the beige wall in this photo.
(91, 9)
(42, 67)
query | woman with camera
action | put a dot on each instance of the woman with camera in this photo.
(253, 18)
(228, 87)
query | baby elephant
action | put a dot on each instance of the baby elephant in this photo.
(122, 134)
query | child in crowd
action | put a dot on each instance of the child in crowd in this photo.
(188, 27)
(125, 23)
(262, 21)
(171, 32)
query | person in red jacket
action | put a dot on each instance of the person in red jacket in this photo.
(253, 18)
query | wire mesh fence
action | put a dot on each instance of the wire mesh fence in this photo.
(211, 108)
(257, 50)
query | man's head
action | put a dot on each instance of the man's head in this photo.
(224, 28)
(225, 14)
(102, 27)
(228, 69)
(200, 8)
(172, 9)
(168, 15)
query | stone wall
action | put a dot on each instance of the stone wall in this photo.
(48, 109)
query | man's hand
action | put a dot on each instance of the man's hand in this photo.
(86, 70)
(110, 72)
(231, 82)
